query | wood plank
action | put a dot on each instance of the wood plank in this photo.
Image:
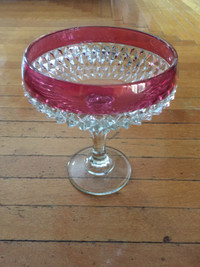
(186, 12)
(133, 147)
(128, 9)
(116, 10)
(49, 129)
(47, 167)
(185, 23)
(167, 22)
(177, 116)
(161, 131)
(151, 22)
(55, 192)
(74, 254)
(99, 223)
(61, 22)
(106, 11)
(193, 4)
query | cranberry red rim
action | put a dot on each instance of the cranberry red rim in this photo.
(167, 44)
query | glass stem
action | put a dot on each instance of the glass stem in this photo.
(99, 148)
(98, 162)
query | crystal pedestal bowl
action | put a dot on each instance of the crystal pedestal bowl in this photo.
(99, 79)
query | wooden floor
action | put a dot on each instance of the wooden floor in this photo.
(155, 220)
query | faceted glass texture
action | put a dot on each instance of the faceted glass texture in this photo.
(99, 70)
(101, 63)
(103, 123)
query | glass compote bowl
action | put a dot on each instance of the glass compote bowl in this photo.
(99, 79)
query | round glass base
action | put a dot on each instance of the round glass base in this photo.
(99, 184)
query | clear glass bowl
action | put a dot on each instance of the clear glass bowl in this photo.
(99, 79)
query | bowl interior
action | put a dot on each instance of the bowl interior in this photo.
(100, 63)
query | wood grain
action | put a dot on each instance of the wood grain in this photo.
(73, 254)
(147, 131)
(133, 147)
(154, 221)
(75, 223)
(55, 167)
(138, 193)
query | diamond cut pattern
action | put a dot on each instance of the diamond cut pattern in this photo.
(80, 62)
(103, 123)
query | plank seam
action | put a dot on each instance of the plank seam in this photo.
(66, 178)
(88, 138)
(92, 206)
(53, 121)
(98, 241)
